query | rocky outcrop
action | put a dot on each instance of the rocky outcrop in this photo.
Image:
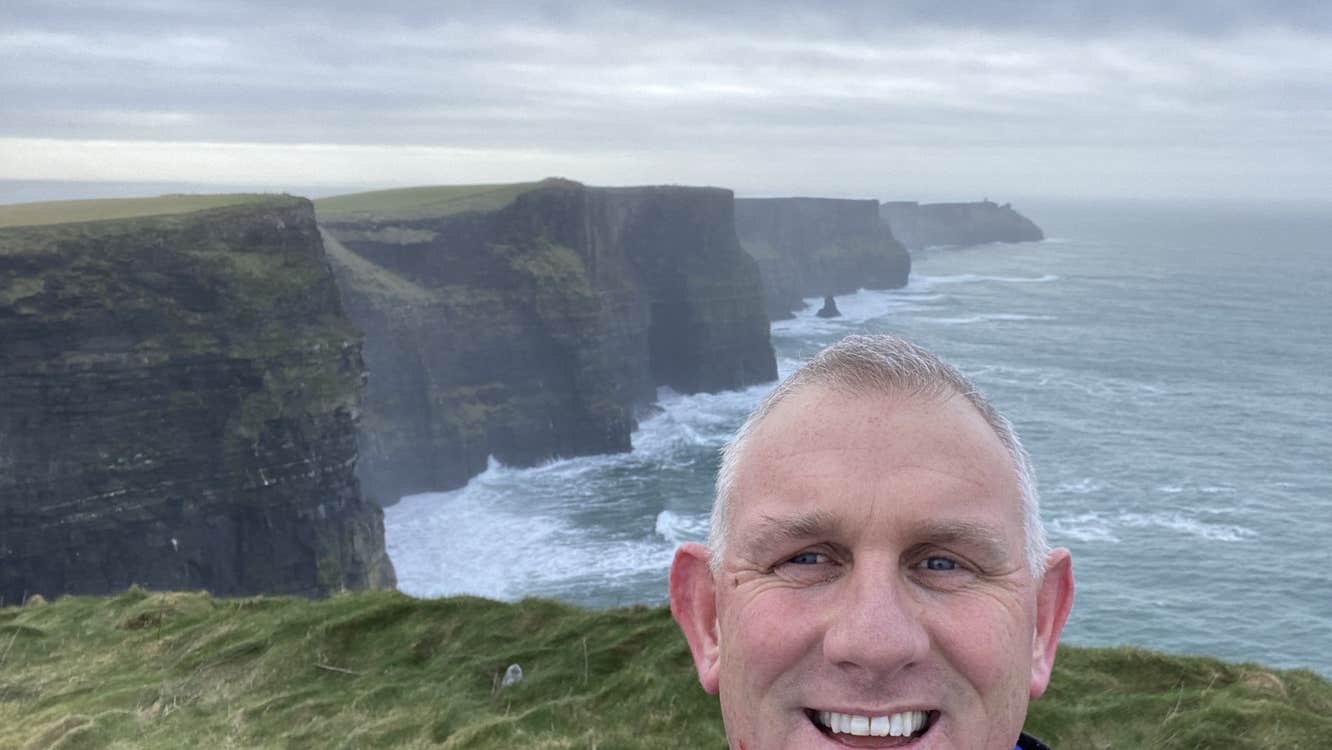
(829, 309)
(921, 225)
(812, 247)
(529, 322)
(177, 403)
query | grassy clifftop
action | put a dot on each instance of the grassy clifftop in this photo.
(405, 204)
(379, 669)
(69, 212)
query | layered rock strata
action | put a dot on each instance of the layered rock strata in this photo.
(527, 322)
(814, 247)
(921, 225)
(177, 402)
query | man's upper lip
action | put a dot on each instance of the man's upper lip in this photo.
(874, 711)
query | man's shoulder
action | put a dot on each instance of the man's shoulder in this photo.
(1027, 742)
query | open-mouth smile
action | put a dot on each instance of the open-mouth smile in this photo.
(887, 730)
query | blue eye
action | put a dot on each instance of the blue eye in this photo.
(808, 558)
(940, 564)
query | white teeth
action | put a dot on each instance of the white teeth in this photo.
(901, 724)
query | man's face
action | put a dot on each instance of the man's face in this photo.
(875, 568)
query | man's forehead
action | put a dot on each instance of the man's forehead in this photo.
(831, 459)
(809, 411)
(939, 427)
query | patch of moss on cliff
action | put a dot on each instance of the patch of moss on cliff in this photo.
(188, 283)
(305, 373)
(196, 284)
(557, 280)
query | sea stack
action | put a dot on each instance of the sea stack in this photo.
(829, 309)
(178, 391)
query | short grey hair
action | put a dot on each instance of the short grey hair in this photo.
(859, 365)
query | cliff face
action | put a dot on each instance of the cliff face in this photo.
(924, 225)
(813, 247)
(706, 326)
(533, 325)
(177, 403)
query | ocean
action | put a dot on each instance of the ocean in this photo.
(1169, 368)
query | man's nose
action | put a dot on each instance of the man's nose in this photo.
(876, 626)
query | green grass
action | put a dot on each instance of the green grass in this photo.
(379, 669)
(70, 212)
(424, 202)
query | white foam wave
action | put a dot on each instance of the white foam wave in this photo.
(1206, 489)
(1086, 527)
(1096, 386)
(1096, 526)
(471, 541)
(700, 420)
(1186, 525)
(677, 528)
(987, 318)
(449, 543)
(924, 281)
(569, 525)
(1084, 486)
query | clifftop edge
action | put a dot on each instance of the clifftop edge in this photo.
(47, 213)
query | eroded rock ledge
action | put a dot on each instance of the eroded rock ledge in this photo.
(528, 322)
(177, 398)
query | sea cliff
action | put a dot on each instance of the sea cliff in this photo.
(178, 388)
(814, 247)
(921, 225)
(533, 321)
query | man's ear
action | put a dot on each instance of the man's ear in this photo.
(1053, 602)
(694, 605)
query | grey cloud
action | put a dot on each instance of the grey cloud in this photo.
(757, 80)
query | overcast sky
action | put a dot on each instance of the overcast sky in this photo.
(1097, 99)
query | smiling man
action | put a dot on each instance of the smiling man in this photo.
(877, 574)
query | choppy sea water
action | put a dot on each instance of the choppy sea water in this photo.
(1169, 368)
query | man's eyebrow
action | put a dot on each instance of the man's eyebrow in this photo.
(775, 532)
(985, 538)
